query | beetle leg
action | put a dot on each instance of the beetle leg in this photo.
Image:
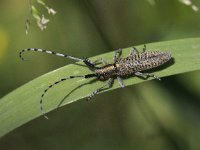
(108, 83)
(100, 61)
(146, 75)
(134, 51)
(119, 52)
(120, 81)
(144, 48)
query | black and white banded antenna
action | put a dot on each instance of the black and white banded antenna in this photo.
(88, 62)
(57, 82)
(48, 52)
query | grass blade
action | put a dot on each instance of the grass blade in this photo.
(22, 105)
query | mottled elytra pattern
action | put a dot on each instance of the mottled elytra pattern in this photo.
(140, 62)
(131, 65)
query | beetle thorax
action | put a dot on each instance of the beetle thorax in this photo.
(106, 71)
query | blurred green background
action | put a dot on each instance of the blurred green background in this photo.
(149, 116)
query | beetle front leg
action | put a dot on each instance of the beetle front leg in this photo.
(100, 61)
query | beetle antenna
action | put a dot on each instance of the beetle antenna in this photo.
(48, 52)
(63, 79)
(88, 62)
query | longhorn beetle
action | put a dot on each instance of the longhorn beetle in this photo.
(133, 64)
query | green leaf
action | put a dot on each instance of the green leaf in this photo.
(22, 105)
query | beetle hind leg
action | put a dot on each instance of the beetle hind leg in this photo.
(134, 51)
(146, 75)
(144, 48)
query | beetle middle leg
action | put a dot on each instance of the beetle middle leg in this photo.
(117, 54)
(120, 81)
(146, 75)
(108, 83)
